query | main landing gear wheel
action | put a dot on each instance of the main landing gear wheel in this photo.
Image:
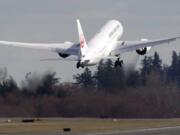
(118, 62)
(78, 65)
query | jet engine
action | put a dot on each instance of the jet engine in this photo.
(143, 51)
(63, 55)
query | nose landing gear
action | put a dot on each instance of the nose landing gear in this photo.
(118, 62)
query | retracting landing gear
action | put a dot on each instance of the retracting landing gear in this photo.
(79, 64)
(118, 62)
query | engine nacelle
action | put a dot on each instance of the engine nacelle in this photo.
(143, 51)
(63, 55)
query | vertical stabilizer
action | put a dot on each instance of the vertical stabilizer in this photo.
(82, 40)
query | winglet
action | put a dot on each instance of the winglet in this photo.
(82, 40)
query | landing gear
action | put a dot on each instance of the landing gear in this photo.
(118, 62)
(79, 64)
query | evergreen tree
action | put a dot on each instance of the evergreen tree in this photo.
(103, 74)
(149, 65)
(133, 78)
(7, 83)
(146, 68)
(118, 78)
(85, 79)
(109, 79)
(157, 63)
(40, 84)
(177, 70)
(7, 86)
(172, 70)
(47, 83)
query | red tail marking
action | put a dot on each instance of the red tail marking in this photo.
(82, 42)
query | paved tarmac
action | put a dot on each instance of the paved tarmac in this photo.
(153, 131)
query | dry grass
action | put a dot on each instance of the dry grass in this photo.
(83, 125)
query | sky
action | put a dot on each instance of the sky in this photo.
(54, 21)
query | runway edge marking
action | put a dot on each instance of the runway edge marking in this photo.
(131, 131)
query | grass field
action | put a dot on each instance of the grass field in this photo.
(82, 125)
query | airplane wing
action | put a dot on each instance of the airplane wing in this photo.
(61, 59)
(127, 46)
(65, 48)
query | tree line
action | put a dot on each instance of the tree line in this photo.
(153, 91)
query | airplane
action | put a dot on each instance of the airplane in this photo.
(105, 44)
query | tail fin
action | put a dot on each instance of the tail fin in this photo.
(82, 40)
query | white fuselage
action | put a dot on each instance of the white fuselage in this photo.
(102, 43)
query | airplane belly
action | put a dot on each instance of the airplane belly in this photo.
(90, 62)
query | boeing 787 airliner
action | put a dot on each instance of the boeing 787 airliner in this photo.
(104, 45)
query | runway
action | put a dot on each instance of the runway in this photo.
(152, 131)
